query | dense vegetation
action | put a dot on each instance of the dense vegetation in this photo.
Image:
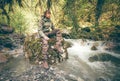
(92, 19)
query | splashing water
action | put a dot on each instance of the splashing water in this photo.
(92, 65)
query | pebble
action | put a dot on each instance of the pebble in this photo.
(52, 80)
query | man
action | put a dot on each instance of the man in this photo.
(46, 31)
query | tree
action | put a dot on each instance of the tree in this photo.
(10, 3)
(98, 11)
(70, 10)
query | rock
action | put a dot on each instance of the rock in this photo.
(93, 48)
(5, 50)
(86, 29)
(3, 58)
(5, 29)
(71, 77)
(52, 80)
(33, 50)
(65, 35)
(1, 47)
(80, 79)
(6, 41)
(11, 40)
(100, 79)
(104, 57)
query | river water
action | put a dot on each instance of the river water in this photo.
(92, 65)
(83, 63)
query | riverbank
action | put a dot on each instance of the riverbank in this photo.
(19, 69)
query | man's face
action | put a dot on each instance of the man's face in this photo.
(48, 15)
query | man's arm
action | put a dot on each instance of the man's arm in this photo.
(41, 33)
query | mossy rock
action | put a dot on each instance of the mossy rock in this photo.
(33, 49)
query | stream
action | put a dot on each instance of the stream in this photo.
(83, 64)
(92, 65)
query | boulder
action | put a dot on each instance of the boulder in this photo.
(33, 47)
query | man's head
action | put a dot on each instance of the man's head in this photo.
(47, 14)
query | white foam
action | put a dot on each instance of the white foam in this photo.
(79, 54)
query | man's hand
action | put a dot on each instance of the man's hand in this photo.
(46, 38)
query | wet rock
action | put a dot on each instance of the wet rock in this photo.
(104, 57)
(71, 77)
(93, 48)
(100, 79)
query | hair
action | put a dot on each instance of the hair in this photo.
(47, 11)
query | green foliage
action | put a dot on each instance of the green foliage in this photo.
(7, 5)
(72, 15)
(18, 22)
(3, 19)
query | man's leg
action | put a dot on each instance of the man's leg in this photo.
(59, 40)
(45, 47)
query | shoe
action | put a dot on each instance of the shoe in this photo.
(45, 65)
